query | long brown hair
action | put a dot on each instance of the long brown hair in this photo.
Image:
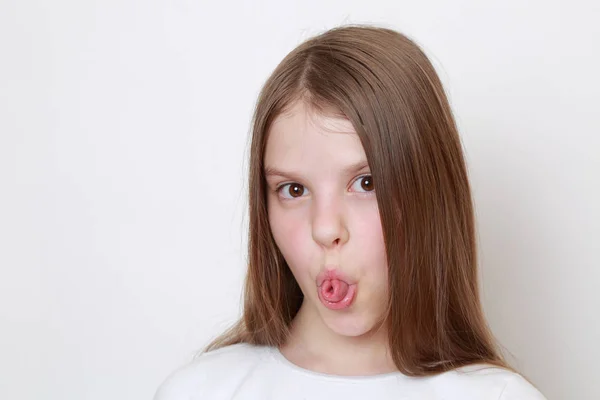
(383, 83)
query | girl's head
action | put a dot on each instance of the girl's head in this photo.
(322, 210)
(356, 166)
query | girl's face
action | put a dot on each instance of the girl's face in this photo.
(324, 218)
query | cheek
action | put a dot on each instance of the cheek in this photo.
(290, 234)
(370, 254)
(369, 232)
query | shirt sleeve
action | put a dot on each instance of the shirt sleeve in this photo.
(183, 384)
(518, 388)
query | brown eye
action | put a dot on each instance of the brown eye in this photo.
(291, 190)
(296, 190)
(367, 183)
(364, 184)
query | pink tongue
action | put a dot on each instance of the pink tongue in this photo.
(334, 290)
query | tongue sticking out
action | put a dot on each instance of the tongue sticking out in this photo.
(334, 290)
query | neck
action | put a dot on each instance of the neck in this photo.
(314, 346)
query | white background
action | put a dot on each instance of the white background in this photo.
(123, 132)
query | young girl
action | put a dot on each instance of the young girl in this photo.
(362, 276)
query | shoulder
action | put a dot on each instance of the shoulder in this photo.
(486, 382)
(210, 370)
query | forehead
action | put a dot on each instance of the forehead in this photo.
(301, 138)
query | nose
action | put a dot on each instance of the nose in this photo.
(328, 223)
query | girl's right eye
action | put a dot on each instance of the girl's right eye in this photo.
(291, 190)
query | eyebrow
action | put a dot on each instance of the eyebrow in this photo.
(354, 168)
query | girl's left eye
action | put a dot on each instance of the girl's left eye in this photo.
(363, 184)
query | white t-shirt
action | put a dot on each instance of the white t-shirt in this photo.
(244, 371)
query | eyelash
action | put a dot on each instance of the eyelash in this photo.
(281, 186)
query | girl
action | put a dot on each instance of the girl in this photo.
(362, 276)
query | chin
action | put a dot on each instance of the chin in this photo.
(349, 323)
